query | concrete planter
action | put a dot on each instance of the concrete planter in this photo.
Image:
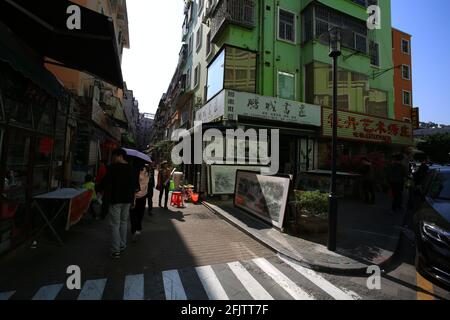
(312, 224)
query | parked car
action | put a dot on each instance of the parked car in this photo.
(432, 226)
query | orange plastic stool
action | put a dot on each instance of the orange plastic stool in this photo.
(176, 199)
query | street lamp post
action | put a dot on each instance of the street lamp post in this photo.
(335, 52)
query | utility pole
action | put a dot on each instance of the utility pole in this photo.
(335, 52)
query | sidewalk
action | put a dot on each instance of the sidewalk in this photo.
(367, 235)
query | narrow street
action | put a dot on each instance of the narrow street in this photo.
(189, 254)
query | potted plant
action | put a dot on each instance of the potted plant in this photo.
(312, 211)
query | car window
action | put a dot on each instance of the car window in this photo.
(440, 186)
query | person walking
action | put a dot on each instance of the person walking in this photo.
(151, 187)
(138, 208)
(121, 184)
(366, 171)
(397, 174)
(164, 183)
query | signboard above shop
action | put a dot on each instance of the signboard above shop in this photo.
(361, 127)
(230, 105)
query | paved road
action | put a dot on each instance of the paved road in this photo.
(190, 254)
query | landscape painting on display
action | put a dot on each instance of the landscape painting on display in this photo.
(223, 178)
(264, 196)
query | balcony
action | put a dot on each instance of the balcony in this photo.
(236, 12)
(183, 55)
(185, 31)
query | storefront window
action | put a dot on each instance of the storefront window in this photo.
(17, 162)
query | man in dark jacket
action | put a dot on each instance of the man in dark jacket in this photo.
(151, 187)
(121, 184)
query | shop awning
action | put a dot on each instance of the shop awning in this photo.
(22, 59)
(42, 25)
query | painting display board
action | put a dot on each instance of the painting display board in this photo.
(263, 196)
(223, 177)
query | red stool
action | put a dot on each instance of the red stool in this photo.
(176, 199)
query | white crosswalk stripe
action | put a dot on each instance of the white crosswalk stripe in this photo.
(211, 283)
(6, 295)
(252, 286)
(92, 290)
(173, 287)
(319, 281)
(48, 292)
(134, 287)
(253, 279)
(287, 284)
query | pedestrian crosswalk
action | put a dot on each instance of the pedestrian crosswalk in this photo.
(259, 279)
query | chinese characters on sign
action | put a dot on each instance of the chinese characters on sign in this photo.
(270, 108)
(365, 127)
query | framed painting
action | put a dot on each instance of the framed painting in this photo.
(265, 197)
(223, 177)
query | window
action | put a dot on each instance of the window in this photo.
(197, 76)
(208, 43)
(320, 19)
(190, 44)
(405, 46)
(188, 79)
(286, 25)
(374, 54)
(406, 98)
(286, 85)
(198, 38)
(233, 69)
(216, 75)
(406, 72)
(365, 3)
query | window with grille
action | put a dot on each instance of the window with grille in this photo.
(406, 72)
(374, 54)
(286, 25)
(355, 31)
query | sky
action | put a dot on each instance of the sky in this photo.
(155, 39)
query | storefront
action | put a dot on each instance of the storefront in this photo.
(360, 135)
(298, 125)
(32, 140)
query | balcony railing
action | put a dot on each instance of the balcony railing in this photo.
(238, 12)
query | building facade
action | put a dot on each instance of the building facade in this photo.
(402, 56)
(145, 126)
(257, 64)
(131, 109)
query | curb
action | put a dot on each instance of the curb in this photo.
(316, 266)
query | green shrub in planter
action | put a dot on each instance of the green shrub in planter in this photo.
(312, 203)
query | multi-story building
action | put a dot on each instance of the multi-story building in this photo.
(131, 109)
(265, 64)
(101, 124)
(146, 121)
(401, 53)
